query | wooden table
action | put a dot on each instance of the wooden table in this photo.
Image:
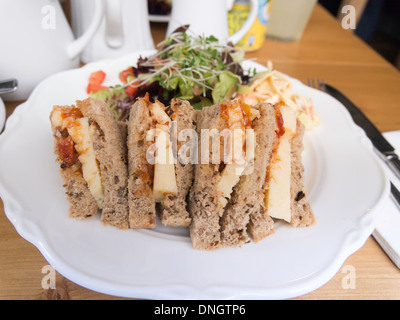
(325, 51)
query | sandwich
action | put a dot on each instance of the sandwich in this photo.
(159, 178)
(227, 172)
(284, 191)
(226, 195)
(232, 203)
(91, 153)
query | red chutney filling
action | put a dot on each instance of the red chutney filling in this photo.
(65, 145)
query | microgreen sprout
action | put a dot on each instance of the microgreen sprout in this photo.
(184, 61)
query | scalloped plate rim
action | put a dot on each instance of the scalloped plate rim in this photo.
(32, 233)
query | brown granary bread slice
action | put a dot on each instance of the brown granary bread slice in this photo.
(172, 210)
(246, 206)
(81, 202)
(142, 212)
(301, 212)
(260, 225)
(204, 207)
(123, 128)
(110, 151)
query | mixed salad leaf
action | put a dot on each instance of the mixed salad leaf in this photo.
(203, 71)
(199, 69)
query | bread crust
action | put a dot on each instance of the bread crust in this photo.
(82, 204)
(301, 212)
(142, 211)
(173, 209)
(204, 207)
(244, 213)
(110, 151)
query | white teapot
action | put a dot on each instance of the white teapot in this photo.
(37, 41)
(124, 29)
(209, 17)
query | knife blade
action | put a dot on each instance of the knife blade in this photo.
(385, 149)
(395, 194)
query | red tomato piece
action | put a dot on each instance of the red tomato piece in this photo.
(97, 77)
(93, 87)
(123, 75)
(131, 89)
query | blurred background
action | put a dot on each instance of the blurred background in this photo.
(103, 29)
(378, 25)
(378, 22)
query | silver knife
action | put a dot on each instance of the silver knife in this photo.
(385, 149)
(395, 194)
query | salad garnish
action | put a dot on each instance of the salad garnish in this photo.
(199, 69)
(203, 71)
(274, 87)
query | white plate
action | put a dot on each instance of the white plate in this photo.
(2, 114)
(344, 181)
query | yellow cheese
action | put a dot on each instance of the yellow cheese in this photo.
(277, 196)
(230, 175)
(229, 178)
(79, 130)
(164, 168)
(164, 181)
(80, 134)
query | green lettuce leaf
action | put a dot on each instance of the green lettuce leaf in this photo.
(225, 87)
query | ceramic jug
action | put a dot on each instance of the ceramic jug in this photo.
(209, 17)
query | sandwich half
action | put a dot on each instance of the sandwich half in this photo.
(226, 194)
(92, 157)
(233, 203)
(245, 214)
(158, 179)
(285, 196)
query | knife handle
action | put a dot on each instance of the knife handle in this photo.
(394, 163)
